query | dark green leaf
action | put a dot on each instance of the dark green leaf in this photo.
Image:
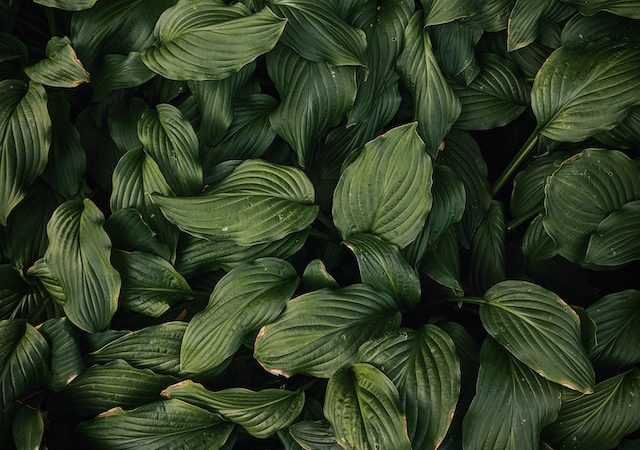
(528, 19)
(28, 428)
(66, 360)
(61, 68)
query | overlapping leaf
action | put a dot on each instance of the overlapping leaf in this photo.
(61, 68)
(528, 19)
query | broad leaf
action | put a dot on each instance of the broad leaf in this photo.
(248, 297)
(528, 19)
(442, 263)
(454, 48)
(435, 106)
(580, 92)
(321, 331)
(488, 260)
(626, 135)
(119, 72)
(625, 8)
(258, 203)
(386, 191)
(28, 428)
(260, 413)
(68, 5)
(443, 11)
(424, 366)
(209, 40)
(314, 435)
(25, 136)
(128, 231)
(512, 405)
(316, 276)
(592, 199)
(166, 425)
(540, 330)
(61, 68)
(600, 420)
(537, 245)
(24, 358)
(364, 408)
(66, 359)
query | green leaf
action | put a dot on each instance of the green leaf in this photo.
(209, 40)
(260, 413)
(78, 257)
(539, 329)
(12, 48)
(150, 285)
(24, 357)
(321, 331)
(600, 420)
(13, 290)
(493, 15)
(314, 435)
(119, 72)
(100, 388)
(61, 68)
(581, 30)
(28, 428)
(625, 8)
(315, 97)
(386, 191)
(626, 135)
(495, 98)
(166, 425)
(25, 136)
(171, 141)
(454, 48)
(316, 32)
(364, 408)
(528, 19)
(537, 245)
(316, 276)
(156, 348)
(444, 11)
(383, 267)
(128, 231)
(512, 405)
(590, 200)
(258, 203)
(615, 317)
(580, 92)
(488, 261)
(68, 5)
(435, 106)
(424, 366)
(442, 263)
(248, 297)
(66, 359)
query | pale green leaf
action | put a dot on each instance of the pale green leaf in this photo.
(68, 5)
(314, 436)
(61, 68)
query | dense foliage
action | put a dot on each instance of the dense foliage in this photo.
(267, 224)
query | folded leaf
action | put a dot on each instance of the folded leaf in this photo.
(119, 72)
(66, 359)
(260, 413)
(209, 40)
(248, 297)
(488, 260)
(443, 11)
(316, 435)
(321, 331)
(528, 19)
(28, 428)
(61, 68)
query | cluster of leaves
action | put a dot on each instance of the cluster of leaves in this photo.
(269, 224)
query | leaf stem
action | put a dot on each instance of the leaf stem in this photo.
(515, 162)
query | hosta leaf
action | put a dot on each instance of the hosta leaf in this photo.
(315, 97)
(617, 335)
(527, 403)
(215, 99)
(258, 203)
(150, 285)
(68, 5)
(435, 105)
(424, 366)
(209, 40)
(28, 428)
(244, 300)
(528, 19)
(626, 135)
(171, 141)
(496, 97)
(61, 68)
(589, 200)
(260, 413)
(25, 135)
(598, 421)
(24, 357)
(581, 30)
(321, 331)
(442, 263)
(383, 267)
(364, 408)
(488, 265)
(115, 27)
(316, 276)
(156, 348)
(13, 289)
(443, 11)
(78, 256)
(316, 32)
(199, 255)
(625, 8)
(128, 231)
(100, 388)
(540, 330)
(454, 48)
(386, 191)
(493, 15)
(166, 425)
(122, 121)
(314, 436)
(119, 72)
(580, 92)
(537, 245)
(12, 48)
(66, 359)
